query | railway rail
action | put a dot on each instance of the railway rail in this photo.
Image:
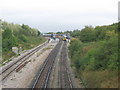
(43, 79)
(13, 66)
(45, 71)
(64, 75)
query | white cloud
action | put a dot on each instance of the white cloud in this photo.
(52, 14)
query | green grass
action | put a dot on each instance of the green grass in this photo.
(99, 79)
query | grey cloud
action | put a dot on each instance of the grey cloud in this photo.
(58, 21)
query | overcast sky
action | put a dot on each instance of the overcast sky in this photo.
(59, 15)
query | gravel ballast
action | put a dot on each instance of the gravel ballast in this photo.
(25, 75)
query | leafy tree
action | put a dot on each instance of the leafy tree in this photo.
(18, 35)
(87, 34)
(8, 40)
(75, 33)
(98, 50)
(39, 33)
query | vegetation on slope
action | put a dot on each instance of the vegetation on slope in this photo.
(0, 46)
(95, 55)
(14, 35)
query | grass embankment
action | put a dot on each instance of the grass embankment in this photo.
(95, 56)
(14, 35)
(32, 42)
(100, 79)
(0, 46)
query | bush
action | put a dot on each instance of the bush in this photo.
(23, 38)
(14, 35)
(100, 55)
(96, 55)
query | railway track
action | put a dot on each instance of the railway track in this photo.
(43, 79)
(45, 71)
(13, 66)
(64, 75)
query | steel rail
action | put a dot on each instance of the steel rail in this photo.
(45, 71)
(64, 77)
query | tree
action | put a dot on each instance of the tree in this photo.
(87, 34)
(8, 40)
(39, 33)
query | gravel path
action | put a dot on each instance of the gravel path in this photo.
(23, 78)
